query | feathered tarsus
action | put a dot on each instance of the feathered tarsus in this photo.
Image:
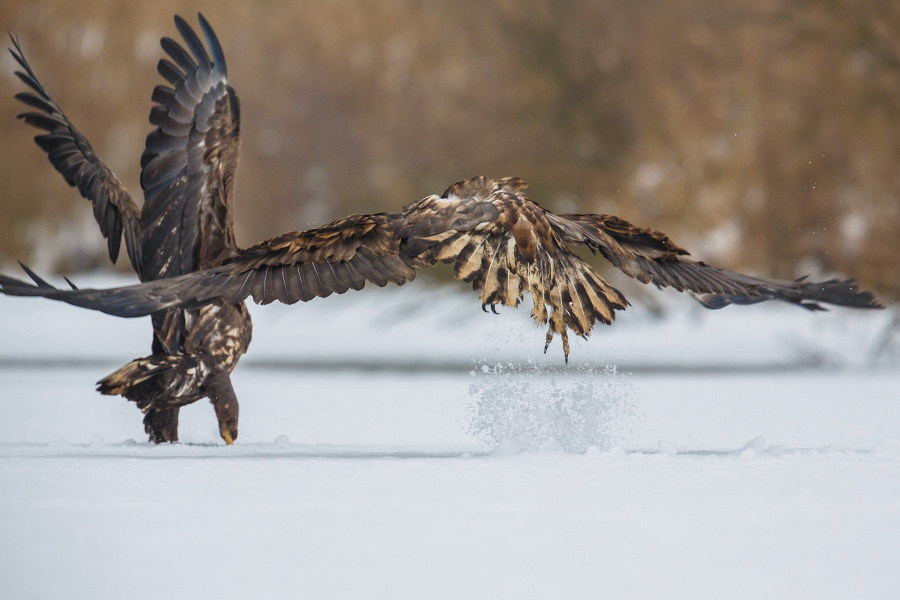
(196, 279)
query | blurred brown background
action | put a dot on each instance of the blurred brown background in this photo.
(763, 135)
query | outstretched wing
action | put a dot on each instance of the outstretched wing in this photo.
(303, 265)
(190, 159)
(71, 154)
(495, 238)
(651, 257)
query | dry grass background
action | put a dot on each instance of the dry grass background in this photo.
(763, 135)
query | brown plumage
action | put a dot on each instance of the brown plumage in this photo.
(495, 237)
(186, 224)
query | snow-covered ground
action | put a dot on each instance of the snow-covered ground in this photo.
(400, 443)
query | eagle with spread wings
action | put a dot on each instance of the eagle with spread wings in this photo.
(185, 224)
(195, 279)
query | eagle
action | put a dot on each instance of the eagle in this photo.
(196, 281)
(185, 224)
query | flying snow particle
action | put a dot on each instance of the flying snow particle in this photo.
(525, 408)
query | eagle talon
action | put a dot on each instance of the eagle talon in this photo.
(549, 339)
(494, 308)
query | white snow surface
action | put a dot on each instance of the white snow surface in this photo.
(400, 443)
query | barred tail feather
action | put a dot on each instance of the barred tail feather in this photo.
(124, 380)
(578, 298)
(566, 291)
(157, 381)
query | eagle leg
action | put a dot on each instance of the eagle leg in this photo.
(224, 401)
(161, 424)
(564, 334)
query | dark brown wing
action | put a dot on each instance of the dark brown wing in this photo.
(651, 257)
(335, 258)
(71, 154)
(189, 163)
(303, 265)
